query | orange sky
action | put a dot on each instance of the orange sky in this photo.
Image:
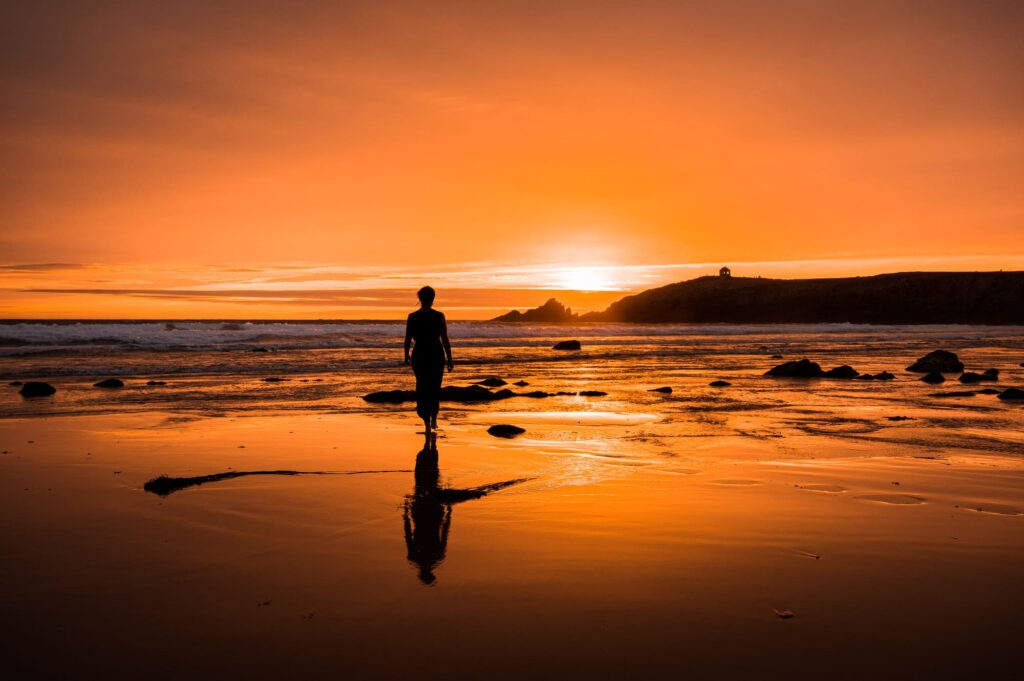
(324, 159)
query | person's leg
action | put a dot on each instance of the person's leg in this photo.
(436, 405)
(423, 398)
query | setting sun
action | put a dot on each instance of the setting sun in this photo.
(585, 279)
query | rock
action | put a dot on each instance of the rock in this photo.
(521, 384)
(156, 382)
(36, 389)
(567, 345)
(719, 384)
(109, 383)
(934, 378)
(776, 356)
(492, 382)
(1012, 394)
(665, 389)
(592, 393)
(865, 377)
(989, 391)
(505, 430)
(566, 392)
(941, 361)
(804, 368)
(391, 396)
(551, 311)
(259, 350)
(536, 394)
(844, 371)
(884, 376)
(15, 383)
(272, 379)
(971, 377)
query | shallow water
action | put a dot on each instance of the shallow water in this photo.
(637, 534)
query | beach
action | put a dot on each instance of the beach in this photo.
(779, 528)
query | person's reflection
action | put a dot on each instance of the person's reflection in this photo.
(427, 518)
(428, 511)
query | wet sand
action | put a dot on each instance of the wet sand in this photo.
(614, 558)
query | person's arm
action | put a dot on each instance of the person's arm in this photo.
(408, 339)
(446, 343)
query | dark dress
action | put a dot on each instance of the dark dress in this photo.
(425, 327)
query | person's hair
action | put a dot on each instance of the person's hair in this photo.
(426, 295)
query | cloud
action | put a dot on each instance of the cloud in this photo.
(42, 267)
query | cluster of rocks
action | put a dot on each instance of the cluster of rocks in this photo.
(805, 368)
(473, 393)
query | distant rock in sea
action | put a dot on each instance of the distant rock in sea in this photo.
(933, 378)
(592, 393)
(1012, 394)
(156, 382)
(14, 383)
(803, 368)
(941, 361)
(549, 312)
(109, 383)
(36, 389)
(665, 389)
(719, 384)
(492, 382)
(521, 383)
(567, 345)
(844, 371)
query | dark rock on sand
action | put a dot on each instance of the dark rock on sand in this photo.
(449, 393)
(156, 382)
(803, 368)
(505, 430)
(567, 345)
(937, 361)
(592, 393)
(492, 382)
(1012, 394)
(934, 378)
(972, 377)
(665, 389)
(536, 394)
(844, 371)
(36, 389)
(719, 384)
(521, 384)
(109, 383)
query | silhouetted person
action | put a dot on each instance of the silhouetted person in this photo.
(427, 518)
(432, 350)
